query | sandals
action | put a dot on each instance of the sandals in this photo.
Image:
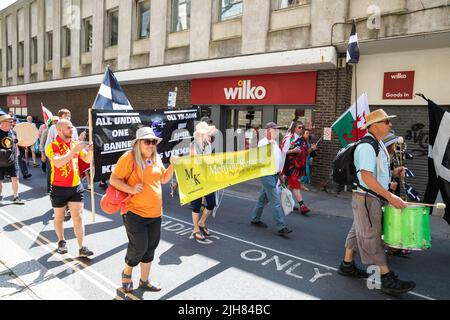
(199, 236)
(149, 286)
(204, 230)
(127, 286)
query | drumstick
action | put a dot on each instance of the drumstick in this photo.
(437, 205)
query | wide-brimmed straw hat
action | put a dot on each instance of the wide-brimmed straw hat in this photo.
(376, 116)
(146, 133)
(5, 117)
(203, 128)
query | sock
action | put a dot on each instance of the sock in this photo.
(300, 203)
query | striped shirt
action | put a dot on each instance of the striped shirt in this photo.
(69, 174)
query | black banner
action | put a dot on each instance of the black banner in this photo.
(114, 131)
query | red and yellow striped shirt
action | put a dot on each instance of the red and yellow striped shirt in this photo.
(69, 174)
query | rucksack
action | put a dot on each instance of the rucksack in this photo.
(344, 171)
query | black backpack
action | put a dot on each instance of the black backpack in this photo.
(344, 171)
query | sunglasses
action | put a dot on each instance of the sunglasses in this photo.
(386, 122)
(148, 142)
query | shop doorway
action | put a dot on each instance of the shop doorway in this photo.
(246, 123)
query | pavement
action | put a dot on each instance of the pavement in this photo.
(238, 261)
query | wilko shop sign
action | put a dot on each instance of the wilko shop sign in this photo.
(290, 88)
(245, 91)
(17, 101)
(398, 85)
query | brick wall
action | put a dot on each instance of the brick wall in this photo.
(333, 98)
(141, 96)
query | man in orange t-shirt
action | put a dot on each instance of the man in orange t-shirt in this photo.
(66, 187)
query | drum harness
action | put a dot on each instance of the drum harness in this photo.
(368, 191)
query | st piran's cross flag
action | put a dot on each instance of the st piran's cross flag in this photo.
(111, 96)
(439, 156)
(353, 46)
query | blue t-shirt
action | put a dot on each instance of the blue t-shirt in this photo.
(365, 159)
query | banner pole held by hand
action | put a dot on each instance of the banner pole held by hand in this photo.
(91, 176)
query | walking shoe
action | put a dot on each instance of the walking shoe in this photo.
(352, 271)
(62, 247)
(18, 200)
(67, 215)
(304, 209)
(27, 176)
(1, 200)
(35, 165)
(284, 232)
(390, 284)
(259, 224)
(85, 252)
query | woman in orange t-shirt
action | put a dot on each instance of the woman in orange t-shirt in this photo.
(140, 172)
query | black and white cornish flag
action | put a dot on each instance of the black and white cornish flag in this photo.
(353, 46)
(439, 157)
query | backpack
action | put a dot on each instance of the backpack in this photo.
(344, 171)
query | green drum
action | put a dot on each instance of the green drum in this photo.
(407, 228)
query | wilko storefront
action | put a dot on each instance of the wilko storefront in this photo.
(249, 102)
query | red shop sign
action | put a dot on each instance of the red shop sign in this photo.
(17, 100)
(398, 85)
(288, 88)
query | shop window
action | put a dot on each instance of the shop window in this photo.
(230, 9)
(282, 4)
(49, 46)
(113, 27)
(20, 50)
(22, 111)
(1, 60)
(34, 50)
(285, 116)
(181, 15)
(143, 19)
(87, 35)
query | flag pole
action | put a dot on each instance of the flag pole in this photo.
(356, 99)
(91, 164)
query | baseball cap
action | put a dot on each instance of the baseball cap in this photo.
(272, 125)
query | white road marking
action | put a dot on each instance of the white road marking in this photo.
(50, 248)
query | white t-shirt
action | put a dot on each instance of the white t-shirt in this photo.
(280, 156)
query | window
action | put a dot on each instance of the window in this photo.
(285, 115)
(34, 50)
(20, 50)
(9, 58)
(1, 60)
(181, 15)
(143, 19)
(230, 9)
(19, 111)
(87, 35)
(65, 41)
(49, 46)
(113, 27)
(282, 4)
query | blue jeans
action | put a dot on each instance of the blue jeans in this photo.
(269, 195)
(49, 173)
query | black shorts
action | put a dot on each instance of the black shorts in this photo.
(10, 171)
(61, 196)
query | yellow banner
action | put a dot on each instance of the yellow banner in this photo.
(201, 175)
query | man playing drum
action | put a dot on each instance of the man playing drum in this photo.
(374, 175)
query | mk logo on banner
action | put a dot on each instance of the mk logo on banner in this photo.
(191, 176)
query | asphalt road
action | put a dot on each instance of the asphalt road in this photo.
(239, 261)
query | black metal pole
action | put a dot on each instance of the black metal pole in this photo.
(356, 100)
